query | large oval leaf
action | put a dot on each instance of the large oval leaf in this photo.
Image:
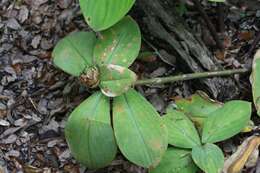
(181, 130)
(209, 158)
(140, 134)
(176, 161)
(115, 80)
(119, 45)
(74, 53)
(102, 14)
(255, 81)
(198, 107)
(89, 132)
(226, 121)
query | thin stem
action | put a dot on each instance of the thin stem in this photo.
(170, 79)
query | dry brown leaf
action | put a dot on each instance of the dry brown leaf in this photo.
(31, 169)
(1, 169)
(245, 35)
(220, 54)
(246, 155)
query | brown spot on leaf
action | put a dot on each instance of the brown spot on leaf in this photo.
(119, 108)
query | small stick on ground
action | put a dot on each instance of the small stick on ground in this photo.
(171, 79)
(209, 23)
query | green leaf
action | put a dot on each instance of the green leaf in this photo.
(255, 81)
(102, 14)
(226, 121)
(176, 161)
(198, 107)
(208, 157)
(140, 134)
(74, 52)
(89, 133)
(115, 80)
(119, 45)
(181, 130)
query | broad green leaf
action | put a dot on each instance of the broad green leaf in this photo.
(181, 131)
(209, 158)
(115, 80)
(102, 14)
(176, 161)
(89, 132)
(226, 121)
(74, 53)
(140, 134)
(119, 44)
(255, 81)
(198, 107)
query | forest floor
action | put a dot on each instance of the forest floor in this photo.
(36, 98)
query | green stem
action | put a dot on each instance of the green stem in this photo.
(170, 79)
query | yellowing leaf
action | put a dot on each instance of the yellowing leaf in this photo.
(139, 132)
(89, 133)
(198, 107)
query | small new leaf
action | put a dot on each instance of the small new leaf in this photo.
(119, 45)
(74, 52)
(102, 14)
(89, 133)
(176, 161)
(115, 80)
(139, 132)
(209, 158)
(255, 81)
(226, 121)
(181, 130)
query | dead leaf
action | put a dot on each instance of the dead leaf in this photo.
(246, 155)
(220, 54)
(245, 35)
(31, 169)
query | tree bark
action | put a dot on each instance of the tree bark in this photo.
(166, 30)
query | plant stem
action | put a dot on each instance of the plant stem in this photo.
(171, 79)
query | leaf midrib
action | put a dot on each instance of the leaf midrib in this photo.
(138, 129)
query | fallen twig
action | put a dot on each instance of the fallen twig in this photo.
(190, 76)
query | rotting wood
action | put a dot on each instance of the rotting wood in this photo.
(168, 31)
